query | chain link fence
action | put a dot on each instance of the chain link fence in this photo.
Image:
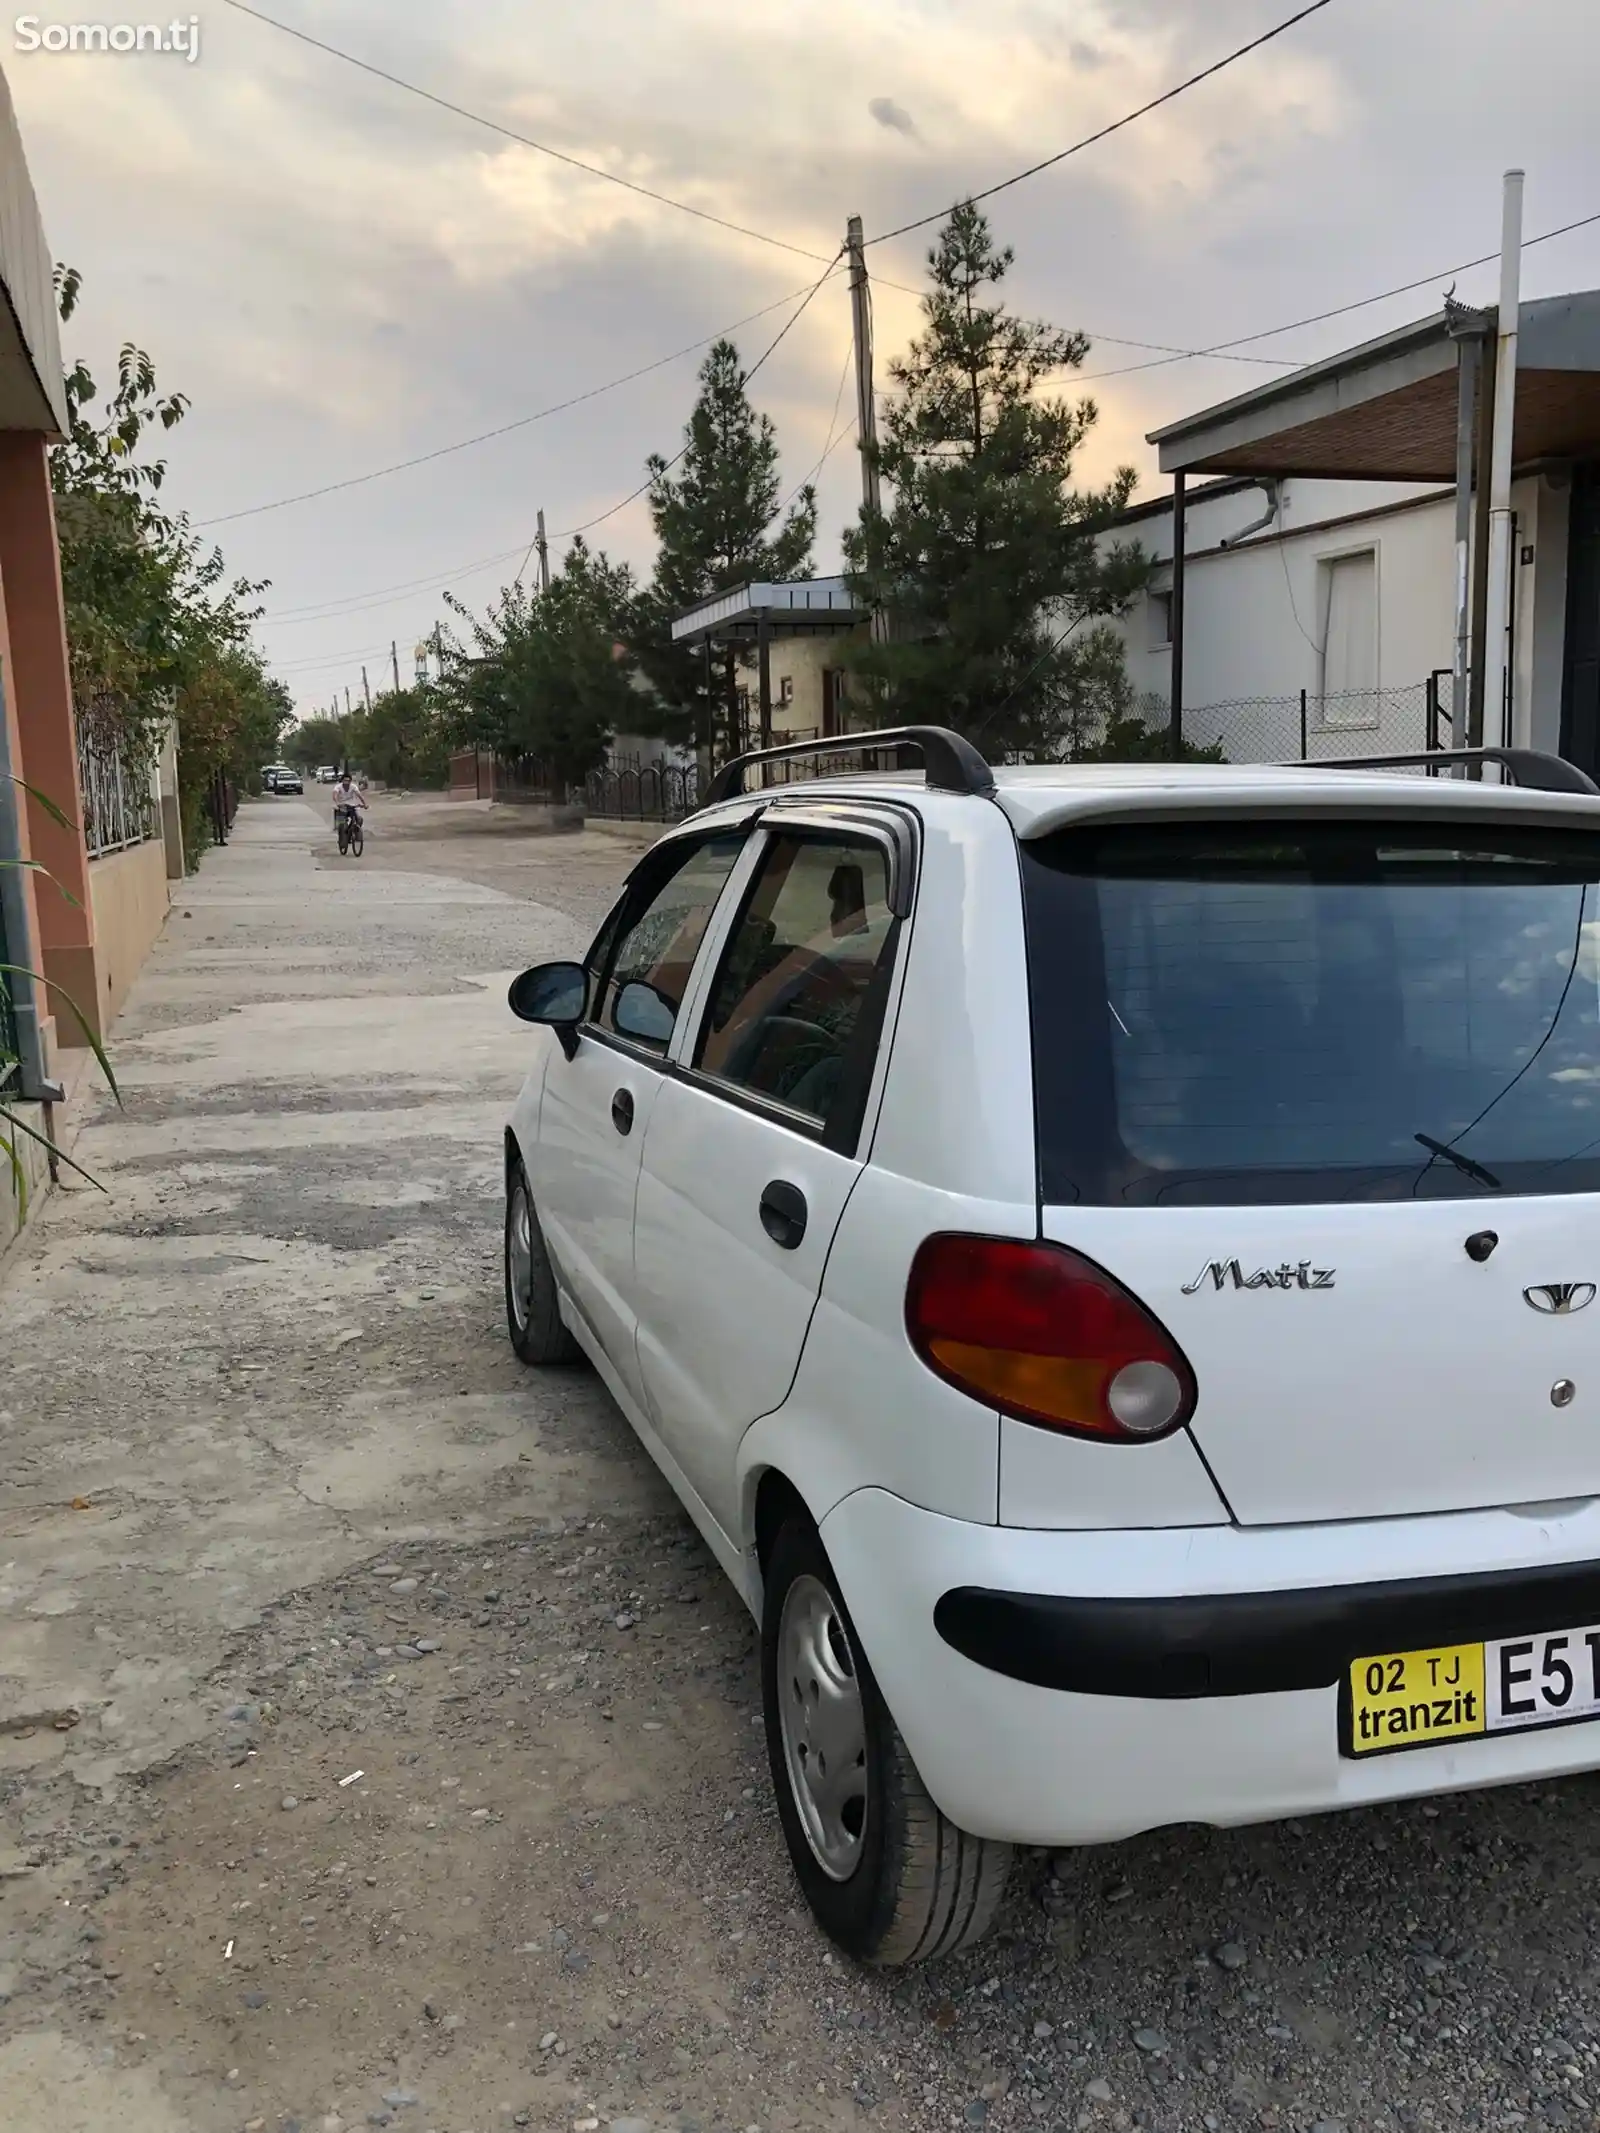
(1311, 728)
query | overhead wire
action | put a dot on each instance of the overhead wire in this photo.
(1103, 133)
(559, 407)
(510, 133)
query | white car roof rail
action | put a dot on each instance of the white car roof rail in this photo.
(1529, 767)
(951, 763)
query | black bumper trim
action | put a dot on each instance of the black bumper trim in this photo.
(1251, 1643)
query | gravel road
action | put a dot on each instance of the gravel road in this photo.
(378, 1745)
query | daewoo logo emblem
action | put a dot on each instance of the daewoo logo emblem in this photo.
(1560, 1297)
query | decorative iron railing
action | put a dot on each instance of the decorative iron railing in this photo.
(119, 807)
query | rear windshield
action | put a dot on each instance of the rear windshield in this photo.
(1226, 1013)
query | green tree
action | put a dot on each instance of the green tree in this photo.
(548, 674)
(985, 561)
(403, 738)
(316, 741)
(155, 628)
(719, 524)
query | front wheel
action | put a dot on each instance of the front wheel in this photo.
(888, 1877)
(344, 836)
(358, 839)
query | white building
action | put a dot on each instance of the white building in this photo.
(1319, 571)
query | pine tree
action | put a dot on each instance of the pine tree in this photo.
(717, 521)
(985, 561)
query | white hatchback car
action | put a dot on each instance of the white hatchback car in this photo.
(1104, 1257)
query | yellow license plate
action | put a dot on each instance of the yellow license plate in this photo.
(1414, 1699)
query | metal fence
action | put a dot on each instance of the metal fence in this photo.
(1310, 728)
(114, 772)
(643, 792)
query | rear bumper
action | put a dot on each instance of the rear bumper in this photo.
(1068, 1688)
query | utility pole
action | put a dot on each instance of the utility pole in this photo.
(543, 547)
(1500, 657)
(438, 650)
(394, 663)
(861, 329)
(366, 688)
(347, 701)
(866, 398)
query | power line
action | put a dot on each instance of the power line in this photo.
(559, 407)
(904, 229)
(509, 133)
(1361, 303)
(377, 596)
(666, 467)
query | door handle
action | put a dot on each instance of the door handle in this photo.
(783, 1213)
(622, 1110)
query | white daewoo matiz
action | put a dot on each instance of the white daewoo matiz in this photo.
(1105, 1257)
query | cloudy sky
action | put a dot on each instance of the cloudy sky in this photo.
(342, 275)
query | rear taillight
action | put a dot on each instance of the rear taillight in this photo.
(1046, 1336)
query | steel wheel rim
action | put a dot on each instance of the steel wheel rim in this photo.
(519, 1256)
(823, 1724)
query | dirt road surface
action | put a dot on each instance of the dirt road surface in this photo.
(378, 1743)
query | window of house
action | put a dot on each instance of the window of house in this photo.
(1159, 605)
(786, 689)
(1347, 588)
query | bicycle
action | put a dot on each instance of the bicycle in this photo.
(352, 838)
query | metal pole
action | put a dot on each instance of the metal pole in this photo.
(1303, 748)
(1469, 329)
(1478, 664)
(16, 924)
(366, 688)
(764, 680)
(347, 700)
(1497, 673)
(543, 546)
(1176, 710)
(394, 662)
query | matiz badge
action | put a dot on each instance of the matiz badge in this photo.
(1226, 1273)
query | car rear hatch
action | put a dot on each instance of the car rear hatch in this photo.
(1325, 1095)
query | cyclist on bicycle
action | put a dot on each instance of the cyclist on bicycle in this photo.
(348, 799)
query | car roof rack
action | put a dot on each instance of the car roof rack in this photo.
(1528, 767)
(952, 764)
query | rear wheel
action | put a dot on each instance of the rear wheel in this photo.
(533, 1308)
(888, 1876)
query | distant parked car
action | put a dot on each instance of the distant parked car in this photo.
(327, 775)
(288, 781)
(1103, 1255)
(269, 777)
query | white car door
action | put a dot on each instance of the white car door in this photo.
(599, 1093)
(757, 1137)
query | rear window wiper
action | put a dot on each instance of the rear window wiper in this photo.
(1462, 1162)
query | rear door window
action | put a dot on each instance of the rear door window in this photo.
(797, 1005)
(1232, 1012)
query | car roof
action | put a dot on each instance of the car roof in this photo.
(1040, 797)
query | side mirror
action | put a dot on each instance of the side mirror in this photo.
(643, 1012)
(554, 994)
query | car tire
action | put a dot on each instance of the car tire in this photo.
(888, 1877)
(533, 1308)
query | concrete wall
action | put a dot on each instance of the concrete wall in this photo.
(129, 895)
